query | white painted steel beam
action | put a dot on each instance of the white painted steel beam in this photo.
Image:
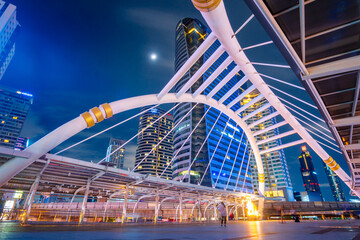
(188, 64)
(285, 134)
(217, 20)
(352, 147)
(347, 121)
(286, 145)
(335, 67)
(263, 119)
(212, 77)
(249, 104)
(220, 50)
(260, 109)
(224, 81)
(59, 135)
(241, 96)
(233, 89)
(277, 125)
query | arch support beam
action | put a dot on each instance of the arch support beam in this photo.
(59, 135)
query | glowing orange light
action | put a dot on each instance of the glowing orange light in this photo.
(303, 148)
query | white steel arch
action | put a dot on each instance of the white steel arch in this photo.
(95, 115)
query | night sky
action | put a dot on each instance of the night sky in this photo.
(74, 55)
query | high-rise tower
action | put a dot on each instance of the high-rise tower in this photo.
(311, 183)
(277, 179)
(14, 107)
(158, 162)
(221, 159)
(117, 158)
(8, 26)
(335, 184)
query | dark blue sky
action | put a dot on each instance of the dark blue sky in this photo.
(74, 55)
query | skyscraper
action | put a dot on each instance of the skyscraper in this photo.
(8, 26)
(277, 179)
(117, 158)
(311, 183)
(335, 184)
(154, 151)
(21, 143)
(221, 159)
(14, 107)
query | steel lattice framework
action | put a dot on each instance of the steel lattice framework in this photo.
(214, 13)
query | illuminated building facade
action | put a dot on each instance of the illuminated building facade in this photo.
(8, 26)
(224, 165)
(311, 183)
(21, 143)
(335, 185)
(14, 107)
(117, 158)
(277, 178)
(158, 162)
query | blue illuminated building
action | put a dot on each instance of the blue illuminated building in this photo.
(311, 183)
(14, 107)
(202, 160)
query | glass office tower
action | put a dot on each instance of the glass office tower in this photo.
(14, 107)
(117, 158)
(158, 162)
(221, 159)
(335, 184)
(8, 26)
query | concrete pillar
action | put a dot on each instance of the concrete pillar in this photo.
(30, 199)
(199, 202)
(181, 207)
(215, 213)
(236, 210)
(123, 218)
(156, 206)
(261, 204)
(227, 208)
(84, 203)
(243, 209)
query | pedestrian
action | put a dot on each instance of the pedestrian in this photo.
(231, 216)
(222, 210)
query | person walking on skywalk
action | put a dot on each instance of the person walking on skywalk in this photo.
(222, 210)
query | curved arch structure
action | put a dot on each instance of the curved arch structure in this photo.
(88, 119)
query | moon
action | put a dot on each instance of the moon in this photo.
(153, 56)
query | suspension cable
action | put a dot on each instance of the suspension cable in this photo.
(248, 160)
(314, 116)
(281, 81)
(247, 168)
(329, 137)
(227, 151)
(162, 140)
(172, 159)
(115, 125)
(270, 65)
(212, 156)
(237, 152)
(137, 134)
(243, 25)
(202, 145)
(329, 147)
(334, 144)
(289, 95)
(257, 45)
(319, 125)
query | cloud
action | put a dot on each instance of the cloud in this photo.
(153, 19)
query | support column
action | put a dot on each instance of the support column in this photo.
(261, 204)
(71, 201)
(199, 201)
(236, 210)
(215, 213)
(181, 207)
(83, 206)
(123, 218)
(30, 199)
(243, 210)
(227, 208)
(156, 206)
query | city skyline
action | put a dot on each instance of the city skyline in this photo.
(81, 106)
